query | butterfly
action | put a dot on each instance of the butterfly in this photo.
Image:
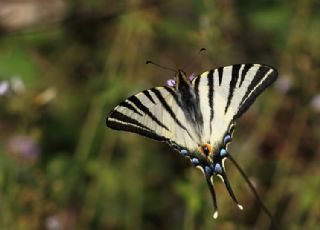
(196, 116)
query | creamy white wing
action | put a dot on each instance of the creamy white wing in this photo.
(226, 93)
(154, 113)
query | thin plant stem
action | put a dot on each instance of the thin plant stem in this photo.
(251, 186)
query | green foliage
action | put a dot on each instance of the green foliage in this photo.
(15, 61)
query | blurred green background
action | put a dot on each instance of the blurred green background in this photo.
(65, 64)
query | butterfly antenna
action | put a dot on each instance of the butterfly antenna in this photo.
(228, 186)
(160, 66)
(265, 209)
(213, 196)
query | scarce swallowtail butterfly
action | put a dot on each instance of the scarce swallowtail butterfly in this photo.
(196, 117)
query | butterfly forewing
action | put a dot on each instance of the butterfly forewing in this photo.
(154, 113)
(223, 94)
(227, 92)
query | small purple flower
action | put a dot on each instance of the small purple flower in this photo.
(24, 147)
(315, 103)
(171, 82)
(4, 88)
(192, 76)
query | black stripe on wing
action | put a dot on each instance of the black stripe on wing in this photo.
(144, 109)
(232, 85)
(210, 96)
(119, 121)
(130, 107)
(147, 94)
(244, 72)
(220, 73)
(168, 108)
(259, 82)
(196, 88)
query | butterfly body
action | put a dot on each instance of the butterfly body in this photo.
(189, 103)
(196, 117)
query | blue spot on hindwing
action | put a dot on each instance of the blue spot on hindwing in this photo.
(218, 168)
(195, 161)
(223, 152)
(184, 152)
(227, 139)
(208, 170)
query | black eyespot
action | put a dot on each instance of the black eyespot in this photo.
(205, 150)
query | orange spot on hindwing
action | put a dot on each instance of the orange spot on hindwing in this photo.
(205, 149)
